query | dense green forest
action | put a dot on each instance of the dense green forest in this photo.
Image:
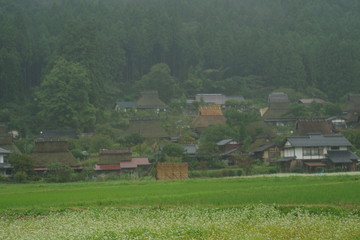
(62, 62)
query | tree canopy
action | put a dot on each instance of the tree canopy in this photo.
(115, 48)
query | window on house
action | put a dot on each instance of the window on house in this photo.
(312, 151)
(335, 148)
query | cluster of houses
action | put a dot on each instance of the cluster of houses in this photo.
(313, 145)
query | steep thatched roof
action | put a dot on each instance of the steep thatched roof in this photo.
(58, 134)
(150, 100)
(353, 103)
(46, 152)
(306, 126)
(6, 141)
(277, 110)
(352, 108)
(114, 156)
(148, 127)
(208, 115)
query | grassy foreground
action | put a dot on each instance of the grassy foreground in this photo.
(316, 207)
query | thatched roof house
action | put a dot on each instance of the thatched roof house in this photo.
(117, 160)
(305, 126)
(58, 134)
(114, 156)
(352, 109)
(208, 115)
(148, 127)
(277, 110)
(6, 140)
(150, 100)
(5, 167)
(47, 152)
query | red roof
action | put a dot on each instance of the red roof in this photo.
(45, 168)
(134, 163)
(107, 167)
(141, 160)
(128, 164)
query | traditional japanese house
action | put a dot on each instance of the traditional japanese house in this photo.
(47, 152)
(316, 152)
(208, 115)
(150, 100)
(148, 127)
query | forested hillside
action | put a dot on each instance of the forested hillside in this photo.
(63, 61)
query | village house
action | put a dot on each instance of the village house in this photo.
(149, 100)
(119, 161)
(208, 115)
(5, 166)
(352, 110)
(227, 148)
(148, 127)
(124, 106)
(47, 152)
(337, 123)
(305, 126)
(276, 113)
(316, 152)
(216, 98)
(190, 150)
(7, 140)
(58, 134)
(268, 152)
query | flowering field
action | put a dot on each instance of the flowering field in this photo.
(250, 222)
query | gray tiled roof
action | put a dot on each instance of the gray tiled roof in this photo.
(264, 147)
(278, 97)
(286, 159)
(314, 140)
(338, 156)
(126, 104)
(4, 151)
(224, 141)
(190, 148)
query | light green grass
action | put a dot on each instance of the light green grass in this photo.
(293, 191)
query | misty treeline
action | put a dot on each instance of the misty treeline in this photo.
(63, 61)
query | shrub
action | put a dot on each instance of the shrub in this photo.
(4, 178)
(20, 176)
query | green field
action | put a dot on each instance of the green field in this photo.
(316, 207)
(294, 190)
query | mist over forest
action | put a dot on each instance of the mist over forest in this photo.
(64, 62)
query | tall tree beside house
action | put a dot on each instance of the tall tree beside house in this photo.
(159, 78)
(23, 167)
(63, 97)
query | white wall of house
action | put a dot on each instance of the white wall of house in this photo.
(1, 158)
(298, 152)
